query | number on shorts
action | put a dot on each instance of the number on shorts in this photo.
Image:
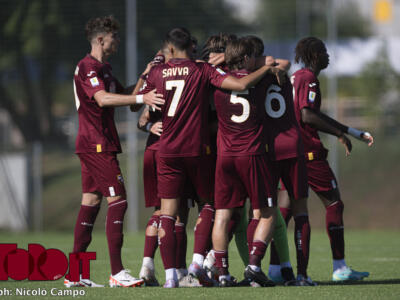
(178, 85)
(273, 93)
(244, 102)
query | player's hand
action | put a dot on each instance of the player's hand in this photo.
(153, 99)
(368, 138)
(216, 59)
(148, 68)
(346, 143)
(156, 128)
(279, 74)
(270, 61)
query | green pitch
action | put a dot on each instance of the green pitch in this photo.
(375, 251)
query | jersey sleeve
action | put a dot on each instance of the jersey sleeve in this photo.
(92, 81)
(308, 92)
(215, 75)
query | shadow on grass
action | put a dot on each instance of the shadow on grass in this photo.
(360, 282)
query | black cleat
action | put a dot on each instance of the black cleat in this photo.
(244, 282)
(228, 282)
(258, 277)
(287, 274)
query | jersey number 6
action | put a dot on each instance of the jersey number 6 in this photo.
(273, 93)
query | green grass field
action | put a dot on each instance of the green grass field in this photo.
(373, 251)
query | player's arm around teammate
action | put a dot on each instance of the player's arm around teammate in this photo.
(97, 92)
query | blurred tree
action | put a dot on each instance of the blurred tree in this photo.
(42, 41)
(201, 18)
(277, 19)
(37, 52)
(378, 83)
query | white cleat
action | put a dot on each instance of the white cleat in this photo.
(189, 281)
(148, 276)
(81, 283)
(124, 279)
(209, 266)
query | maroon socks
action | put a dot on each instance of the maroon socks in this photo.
(334, 228)
(302, 234)
(167, 241)
(202, 231)
(151, 241)
(84, 226)
(181, 245)
(114, 226)
(251, 228)
(221, 262)
(257, 253)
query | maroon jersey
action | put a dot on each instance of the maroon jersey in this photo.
(239, 122)
(97, 131)
(185, 85)
(280, 125)
(153, 141)
(307, 94)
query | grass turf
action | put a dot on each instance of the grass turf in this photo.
(373, 251)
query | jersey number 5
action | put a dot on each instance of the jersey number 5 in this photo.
(273, 93)
(178, 85)
(235, 99)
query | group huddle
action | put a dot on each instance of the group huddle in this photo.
(225, 126)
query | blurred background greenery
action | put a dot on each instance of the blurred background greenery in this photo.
(41, 42)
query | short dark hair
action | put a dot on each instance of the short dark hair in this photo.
(95, 26)
(236, 51)
(257, 43)
(180, 38)
(307, 50)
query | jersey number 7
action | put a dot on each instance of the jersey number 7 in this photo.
(178, 85)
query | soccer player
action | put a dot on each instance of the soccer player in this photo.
(286, 150)
(97, 92)
(185, 84)
(312, 53)
(215, 46)
(242, 168)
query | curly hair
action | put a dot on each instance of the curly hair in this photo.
(307, 51)
(95, 26)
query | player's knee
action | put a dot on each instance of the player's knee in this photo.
(338, 206)
(256, 214)
(268, 212)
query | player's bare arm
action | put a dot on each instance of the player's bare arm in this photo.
(268, 60)
(314, 119)
(216, 59)
(144, 119)
(106, 99)
(241, 84)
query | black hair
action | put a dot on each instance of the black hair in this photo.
(180, 38)
(307, 50)
(257, 43)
